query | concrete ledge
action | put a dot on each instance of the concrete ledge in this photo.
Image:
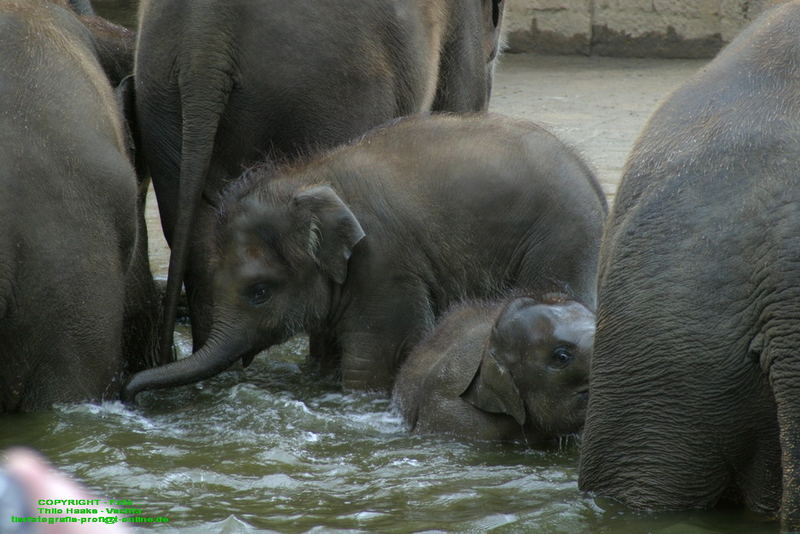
(631, 28)
(668, 44)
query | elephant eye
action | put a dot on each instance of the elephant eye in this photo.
(561, 357)
(257, 294)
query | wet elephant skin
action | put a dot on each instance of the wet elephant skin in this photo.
(78, 306)
(695, 375)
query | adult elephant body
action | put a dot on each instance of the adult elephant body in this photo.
(364, 247)
(221, 84)
(78, 306)
(695, 376)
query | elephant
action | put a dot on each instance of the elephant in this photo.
(222, 84)
(694, 377)
(78, 307)
(113, 44)
(363, 247)
(509, 370)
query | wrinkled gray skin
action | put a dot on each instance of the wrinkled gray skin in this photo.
(221, 84)
(509, 370)
(363, 247)
(695, 379)
(115, 47)
(77, 301)
(113, 44)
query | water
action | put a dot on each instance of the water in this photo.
(275, 448)
(119, 11)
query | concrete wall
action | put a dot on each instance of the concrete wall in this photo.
(639, 28)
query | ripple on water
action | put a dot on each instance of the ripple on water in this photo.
(274, 448)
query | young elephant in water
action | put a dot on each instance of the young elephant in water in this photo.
(507, 370)
(364, 247)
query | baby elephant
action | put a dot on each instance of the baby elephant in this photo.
(514, 370)
(364, 247)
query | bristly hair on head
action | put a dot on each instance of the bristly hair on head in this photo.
(267, 169)
(230, 197)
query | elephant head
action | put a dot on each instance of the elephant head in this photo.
(282, 258)
(535, 367)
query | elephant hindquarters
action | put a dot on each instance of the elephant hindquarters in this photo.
(675, 410)
(62, 339)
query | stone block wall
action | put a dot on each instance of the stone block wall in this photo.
(635, 28)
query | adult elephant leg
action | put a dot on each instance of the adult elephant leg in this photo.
(457, 90)
(161, 149)
(467, 59)
(782, 364)
(142, 307)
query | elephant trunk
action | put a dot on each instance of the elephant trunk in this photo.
(217, 355)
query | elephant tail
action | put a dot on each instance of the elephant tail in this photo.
(204, 96)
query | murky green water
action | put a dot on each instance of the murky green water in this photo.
(120, 11)
(273, 448)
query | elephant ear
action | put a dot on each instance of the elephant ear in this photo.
(330, 230)
(493, 390)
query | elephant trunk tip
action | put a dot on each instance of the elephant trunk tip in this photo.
(216, 356)
(132, 388)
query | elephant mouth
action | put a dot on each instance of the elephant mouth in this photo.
(583, 394)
